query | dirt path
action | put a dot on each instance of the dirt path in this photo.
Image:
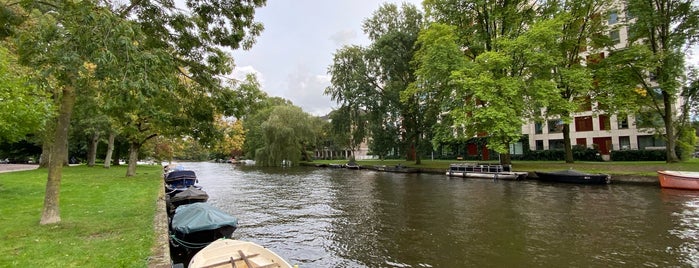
(16, 167)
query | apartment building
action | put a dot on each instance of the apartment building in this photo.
(606, 132)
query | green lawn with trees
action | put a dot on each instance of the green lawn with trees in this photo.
(107, 220)
(124, 81)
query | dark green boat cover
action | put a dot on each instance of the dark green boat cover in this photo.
(200, 217)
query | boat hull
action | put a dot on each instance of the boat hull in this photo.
(679, 179)
(573, 177)
(236, 253)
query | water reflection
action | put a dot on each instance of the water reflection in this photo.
(348, 218)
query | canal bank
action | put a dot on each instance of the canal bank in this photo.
(616, 178)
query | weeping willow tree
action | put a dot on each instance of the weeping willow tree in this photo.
(286, 133)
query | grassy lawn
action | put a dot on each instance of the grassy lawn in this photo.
(106, 218)
(641, 168)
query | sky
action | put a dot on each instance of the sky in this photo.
(292, 55)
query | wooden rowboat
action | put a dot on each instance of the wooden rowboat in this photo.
(236, 253)
(679, 179)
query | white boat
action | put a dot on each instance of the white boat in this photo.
(236, 253)
(484, 171)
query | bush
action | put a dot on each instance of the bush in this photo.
(638, 155)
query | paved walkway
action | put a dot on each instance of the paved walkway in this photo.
(16, 167)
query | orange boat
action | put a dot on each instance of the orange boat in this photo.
(679, 179)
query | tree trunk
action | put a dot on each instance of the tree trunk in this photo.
(671, 155)
(133, 159)
(110, 149)
(92, 151)
(45, 153)
(51, 212)
(567, 144)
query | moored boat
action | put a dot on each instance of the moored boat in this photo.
(236, 253)
(198, 224)
(485, 171)
(573, 176)
(397, 168)
(687, 180)
(179, 180)
(189, 196)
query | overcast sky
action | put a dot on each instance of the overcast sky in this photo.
(292, 55)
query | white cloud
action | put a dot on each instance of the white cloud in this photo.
(240, 72)
(306, 90)
(344, 37)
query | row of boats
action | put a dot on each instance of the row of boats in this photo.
(201, 234)
(668, 179)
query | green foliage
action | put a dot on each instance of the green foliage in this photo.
(686, 142)
(24, 107)
(286, 133)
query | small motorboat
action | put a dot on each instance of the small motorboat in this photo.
(573, 176)
(179, 180)
(198, 224)
(687, 180)
(236, 253)
(189, 196)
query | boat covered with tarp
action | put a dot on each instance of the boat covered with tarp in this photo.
(198, 224)
(189, 196)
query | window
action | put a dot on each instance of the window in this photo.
(581, 142)
(614, 36)
(538, 128)
(624, 143)
(516, 149)
(604, 123)
(556, 145)
(622, 121)
(649, 141)
(539, 145)
(555, 126)
(613, 17)
(583, 123)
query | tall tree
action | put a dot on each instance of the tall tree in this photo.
(493, 86)
(581, 30)
(78, 41)
(286, 133)
(650, 70)
(369, 80)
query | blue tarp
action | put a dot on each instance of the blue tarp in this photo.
(200, 217)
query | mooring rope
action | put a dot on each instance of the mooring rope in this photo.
(189, 245)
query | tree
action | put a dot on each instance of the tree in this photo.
(231, 144)
(286, 133)
(438, 56)
(24, 107)
(77, 42)
(650, 70)
(501, 78)
(367, 81)
(580, 29)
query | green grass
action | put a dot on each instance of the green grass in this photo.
(640, 168)
(106, 218)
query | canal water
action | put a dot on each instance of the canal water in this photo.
(322, 217)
